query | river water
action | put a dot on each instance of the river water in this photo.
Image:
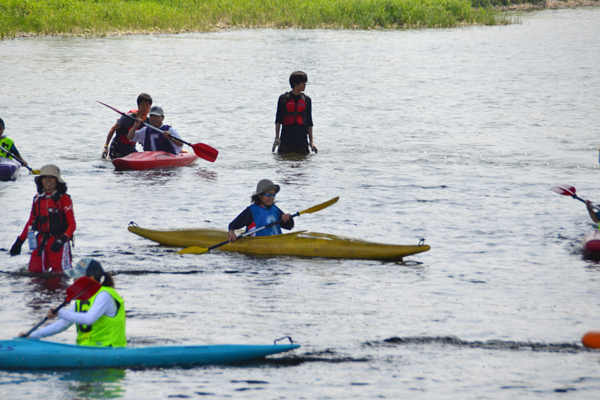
(452, 135)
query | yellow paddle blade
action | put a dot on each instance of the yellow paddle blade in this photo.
(193, 250)
(35, 171)
(321, 206)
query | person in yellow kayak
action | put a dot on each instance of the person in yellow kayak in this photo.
(9, 144)
(100, 320)
(263, 211)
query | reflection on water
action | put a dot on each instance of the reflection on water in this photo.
(95, 384)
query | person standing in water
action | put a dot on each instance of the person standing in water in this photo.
(53, 219)
(294, 119)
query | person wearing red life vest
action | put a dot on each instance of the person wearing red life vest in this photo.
(294, 119)
(121, 146)
(53, 219)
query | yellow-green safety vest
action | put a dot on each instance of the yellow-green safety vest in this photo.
(6, 143)
(106, 331)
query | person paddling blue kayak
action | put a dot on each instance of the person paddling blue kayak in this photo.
(100, 319)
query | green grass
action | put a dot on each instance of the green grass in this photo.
(106, 17)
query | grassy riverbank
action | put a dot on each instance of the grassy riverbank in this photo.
(109, 17)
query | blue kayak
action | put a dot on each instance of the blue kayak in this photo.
(27, 354)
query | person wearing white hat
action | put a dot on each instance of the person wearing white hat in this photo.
(53, 219)
(154, 140)
(261, 212)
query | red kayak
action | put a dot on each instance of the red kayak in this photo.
(591, 243)
(153, 159)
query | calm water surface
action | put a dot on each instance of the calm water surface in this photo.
(453, 135)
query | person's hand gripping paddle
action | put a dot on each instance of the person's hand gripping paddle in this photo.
(567, 190)
(202, 250)
(202, 150)
(82, 289)
(33, 171)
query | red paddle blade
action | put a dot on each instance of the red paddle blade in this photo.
(205, 151)
(565, 190)
(82, 289)
(112, 108)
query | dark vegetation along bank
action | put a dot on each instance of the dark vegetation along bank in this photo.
(113, 17)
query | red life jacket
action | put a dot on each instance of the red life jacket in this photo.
(122, 132)
(49, 215)
(294, 111)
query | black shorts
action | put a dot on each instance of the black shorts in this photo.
(118, 149)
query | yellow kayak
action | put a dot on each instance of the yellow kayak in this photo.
(301, 243)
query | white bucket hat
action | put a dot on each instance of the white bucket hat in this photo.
(49, 170)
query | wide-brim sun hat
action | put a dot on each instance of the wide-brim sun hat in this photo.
(264, 186)
(49, 170)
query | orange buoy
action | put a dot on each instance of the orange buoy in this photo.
(591, 340)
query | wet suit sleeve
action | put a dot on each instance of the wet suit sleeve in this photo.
(309, 121)
(279, 115)
(23, 234)
(244, 219)
(13, 149)
(67, 207)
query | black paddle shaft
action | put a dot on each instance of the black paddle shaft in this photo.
(251, 232)
(143, 122)
(15, 157)
(64, 303)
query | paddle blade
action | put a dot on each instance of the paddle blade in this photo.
(321, 206)
(565, 190)
(35, 171)
(205, 151)
(193, 250)
(82, 289)
(112, 108)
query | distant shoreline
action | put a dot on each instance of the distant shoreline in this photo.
(549, 5)
(87, 19)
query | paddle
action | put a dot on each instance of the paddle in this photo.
(33, 171)
(570, 191)
(202, 150)
(83, 288)
(202, 250)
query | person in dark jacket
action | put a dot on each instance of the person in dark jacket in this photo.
(263, 211)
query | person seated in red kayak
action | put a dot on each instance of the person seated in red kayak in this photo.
(100, 320)
(53, 218)
(153, 140)
(9, 144)
(263, 211)
(121, 146)
(594, 215)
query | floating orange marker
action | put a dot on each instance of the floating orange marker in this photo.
(591, 340)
